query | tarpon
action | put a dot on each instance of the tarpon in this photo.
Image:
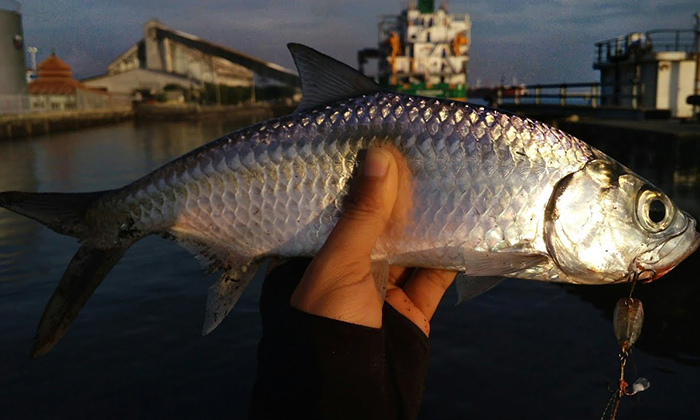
(486, 193)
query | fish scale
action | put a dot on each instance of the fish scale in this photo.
(475, 168)
(486, 193)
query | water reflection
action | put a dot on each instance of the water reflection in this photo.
(17, 238)
(147, 313)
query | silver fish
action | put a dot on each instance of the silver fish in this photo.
(485, 193)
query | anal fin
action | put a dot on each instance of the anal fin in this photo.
(471, 287)
(224, 294)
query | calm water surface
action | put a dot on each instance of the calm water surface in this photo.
(525, 349)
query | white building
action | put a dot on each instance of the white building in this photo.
(652, 70)
(166, 57)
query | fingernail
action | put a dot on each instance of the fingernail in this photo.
(376, 163)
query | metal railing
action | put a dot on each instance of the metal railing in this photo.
(14, 104)
(592, 94)
(82, 101)
(623, 47)
(673, 40)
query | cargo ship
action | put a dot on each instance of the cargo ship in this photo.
(423, 51)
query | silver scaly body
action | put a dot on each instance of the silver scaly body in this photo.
(481, 181)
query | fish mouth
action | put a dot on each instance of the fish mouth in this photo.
(665, 257)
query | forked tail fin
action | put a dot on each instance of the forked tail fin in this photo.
(65, 214)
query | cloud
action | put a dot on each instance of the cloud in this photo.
(539, 41)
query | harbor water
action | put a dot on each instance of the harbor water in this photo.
(525, 349)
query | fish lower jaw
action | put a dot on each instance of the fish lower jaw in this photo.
(674, 252)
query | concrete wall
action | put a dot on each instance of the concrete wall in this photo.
(53, 102)
(666, 77)
(622, 75)
(649, 81)
(676, 77)
(12, 67)
(154, 52)
(125, 83)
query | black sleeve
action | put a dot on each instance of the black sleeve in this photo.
(317, 368)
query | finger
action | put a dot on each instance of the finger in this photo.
(426, 288)
(398, 300)
(369, 208)
(398, 275)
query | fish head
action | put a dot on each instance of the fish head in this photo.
(605, 224)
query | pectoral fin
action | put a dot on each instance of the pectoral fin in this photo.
(488, 264)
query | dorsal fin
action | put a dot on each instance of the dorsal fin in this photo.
(325, 79)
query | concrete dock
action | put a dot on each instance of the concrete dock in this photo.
(14, 126)
(657, 129)
(190, 111)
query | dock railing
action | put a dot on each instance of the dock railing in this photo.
(591, 94)
(622, 47)
(83, 101)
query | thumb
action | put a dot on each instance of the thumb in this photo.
(369, 207)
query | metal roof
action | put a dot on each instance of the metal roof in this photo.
(262, 68)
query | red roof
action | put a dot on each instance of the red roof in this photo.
(54, 77)
(54, 66)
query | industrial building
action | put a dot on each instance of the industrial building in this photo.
(657, 69)
(169, 57)
(13, 85)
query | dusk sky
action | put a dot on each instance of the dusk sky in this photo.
(535, 41)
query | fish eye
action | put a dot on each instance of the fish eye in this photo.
(657, 211)
(654, 210)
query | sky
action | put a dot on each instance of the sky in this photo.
(533, 41)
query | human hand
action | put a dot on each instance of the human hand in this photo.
(338, 284)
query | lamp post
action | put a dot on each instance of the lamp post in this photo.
(32, 52)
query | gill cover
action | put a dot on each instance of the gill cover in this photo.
(601, 218)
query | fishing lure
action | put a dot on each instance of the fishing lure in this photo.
(628, 318)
